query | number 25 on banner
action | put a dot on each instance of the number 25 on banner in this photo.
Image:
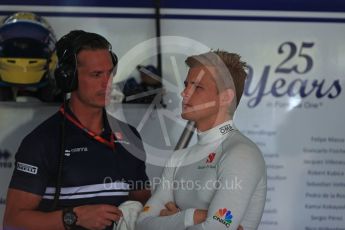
(289, 83)
(293, 52)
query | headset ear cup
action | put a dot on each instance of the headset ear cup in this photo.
(114, 60)
(66, 79)
(60, 78)
(66, 73)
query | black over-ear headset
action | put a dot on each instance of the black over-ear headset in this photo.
(66, 74)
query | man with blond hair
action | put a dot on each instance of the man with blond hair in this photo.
(220, 182)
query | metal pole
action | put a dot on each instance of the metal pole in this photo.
(186, 136)
(159, 51)
(188, 131)
(158, 35)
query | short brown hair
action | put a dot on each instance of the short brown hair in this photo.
(231, 61)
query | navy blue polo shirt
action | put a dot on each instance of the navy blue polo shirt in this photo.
(93, 173)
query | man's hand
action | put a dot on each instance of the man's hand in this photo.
(170, 209)
(97, 217)
(200, 216)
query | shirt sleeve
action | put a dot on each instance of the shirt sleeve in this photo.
(149, 218)
(239, 171)
(31, 171)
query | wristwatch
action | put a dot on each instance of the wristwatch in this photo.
(69, 218)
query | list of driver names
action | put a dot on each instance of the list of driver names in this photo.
(265, 139)
(324, 172)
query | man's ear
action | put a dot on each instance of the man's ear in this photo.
(227, 96)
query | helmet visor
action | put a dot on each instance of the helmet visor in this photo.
(24, 48)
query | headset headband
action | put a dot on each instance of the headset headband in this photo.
(68, 48)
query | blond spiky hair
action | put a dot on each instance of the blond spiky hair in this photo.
(223, 59)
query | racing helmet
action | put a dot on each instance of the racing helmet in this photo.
(27, 50)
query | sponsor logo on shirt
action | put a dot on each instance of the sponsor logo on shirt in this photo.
(206, 166)
(146, 208)
(27, 168)
(210, 158)
(224, 216)
(119, 138)
(118, 135)
(209, 161)
(75, 150)
(225, 129)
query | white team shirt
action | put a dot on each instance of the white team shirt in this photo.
(223, 173)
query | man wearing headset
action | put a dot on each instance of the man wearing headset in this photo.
(72, 171)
